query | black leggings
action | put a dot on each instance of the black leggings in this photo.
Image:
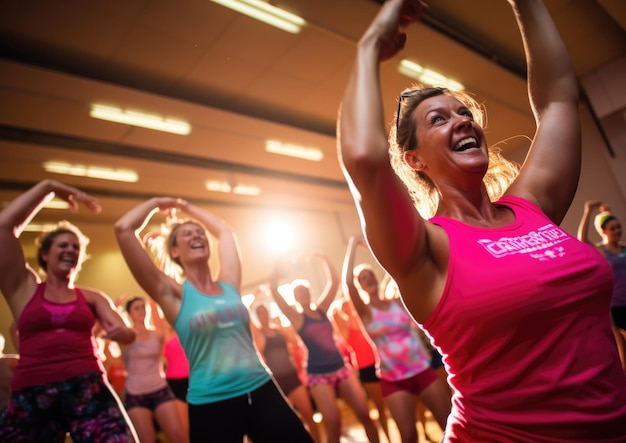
(618, 316)
(263, 415)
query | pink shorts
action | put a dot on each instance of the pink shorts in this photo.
(330, 378)
(414, 385)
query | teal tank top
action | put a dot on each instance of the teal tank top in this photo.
(214, 331)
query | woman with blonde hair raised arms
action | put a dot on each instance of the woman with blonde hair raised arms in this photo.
(231, 394)
(517, 306)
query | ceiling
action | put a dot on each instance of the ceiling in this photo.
(239, 82)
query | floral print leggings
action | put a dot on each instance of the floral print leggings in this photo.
(83, 406)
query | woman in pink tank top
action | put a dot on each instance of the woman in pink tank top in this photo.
(516, 305)
(59, 384)
(176, 370)
(148, 397)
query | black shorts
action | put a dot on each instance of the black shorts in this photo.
(368, 374)
(151, 400)
(288, 382)
(179, 387)
(436, 360)
(618, 316)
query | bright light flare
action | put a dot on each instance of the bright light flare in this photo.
(279, 236)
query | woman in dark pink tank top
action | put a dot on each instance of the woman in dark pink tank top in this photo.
(59, 384)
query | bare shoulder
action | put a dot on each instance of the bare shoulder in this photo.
(21, 296)
(95, 296)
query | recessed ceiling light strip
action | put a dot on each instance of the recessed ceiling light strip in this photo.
(266, 13)
(136, 118)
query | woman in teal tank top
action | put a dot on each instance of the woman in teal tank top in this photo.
(231, 394)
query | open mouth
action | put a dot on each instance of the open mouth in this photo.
(465, 144)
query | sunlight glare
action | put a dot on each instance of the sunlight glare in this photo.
(279, 236)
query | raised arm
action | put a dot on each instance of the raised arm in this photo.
(292, 314)
(228, 247)
(348, 277)
(550, 174)
(590, 207)
(340, 317)
(329, 293)
(381, 198)
(17, 279)
(164, 290)
(156, 317)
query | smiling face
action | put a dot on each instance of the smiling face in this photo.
(449, 141)
(62, 254)
(188, 241)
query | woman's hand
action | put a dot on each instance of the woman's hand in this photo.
(386, 29)
(73, 196)
(169, 205)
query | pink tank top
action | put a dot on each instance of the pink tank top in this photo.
(144, 369)
(523, 326)
(56, 341)
(177, 365)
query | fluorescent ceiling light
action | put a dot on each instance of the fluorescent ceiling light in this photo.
(246, 190)
(136, 118)
(222, 186)
(34, 227)
(266, 13)
(428, 76)
(276, 147)
(121, 175)
(57, 204)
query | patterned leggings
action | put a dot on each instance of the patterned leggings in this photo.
(83, 406)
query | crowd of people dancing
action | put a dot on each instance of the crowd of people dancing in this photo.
(501, 340)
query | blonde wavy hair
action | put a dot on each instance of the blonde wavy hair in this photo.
(160, 243)
(402, 137)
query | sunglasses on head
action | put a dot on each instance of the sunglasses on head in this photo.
(401, 97)
(427, 92)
